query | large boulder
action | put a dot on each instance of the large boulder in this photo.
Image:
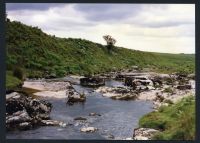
(20, 120)
(74, 96)
(23, 112)
(92, 81)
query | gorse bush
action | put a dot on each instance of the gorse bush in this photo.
(18, 72)
(11, 81)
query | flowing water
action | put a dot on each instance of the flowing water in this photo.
(118, 118)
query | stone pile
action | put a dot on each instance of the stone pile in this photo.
(23, 112)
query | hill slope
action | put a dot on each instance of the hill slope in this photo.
(38, 53)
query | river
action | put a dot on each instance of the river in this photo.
(117, 121)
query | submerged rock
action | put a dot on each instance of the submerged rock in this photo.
(89, 129)
(80, 118)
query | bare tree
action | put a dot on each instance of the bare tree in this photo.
(110, 41)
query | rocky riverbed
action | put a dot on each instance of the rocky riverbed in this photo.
(88, 111)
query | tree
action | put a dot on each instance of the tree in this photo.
(110, 41)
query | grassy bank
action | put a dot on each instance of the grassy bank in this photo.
(11, 81)
(177, 121)
(40, 54)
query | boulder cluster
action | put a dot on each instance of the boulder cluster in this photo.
(24, 112)
(163, 89)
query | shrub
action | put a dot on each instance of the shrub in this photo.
(18, 72)
(11, 81)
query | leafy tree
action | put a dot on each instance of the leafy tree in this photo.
(110, 41)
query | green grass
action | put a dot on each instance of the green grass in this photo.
(11, 81)
(39, 54)
(177, 121)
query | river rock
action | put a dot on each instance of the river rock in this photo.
(89, 129)
(157, 81)
(74, 96)
(128, 138)
(53, 123)
(92, 81)
(184, 87)
(144, 133)
(191, 76)
(23, 112)
(139, 83)
(125, 97)
(25, 126)
(192, 83)
(119, 93)
(20, 120)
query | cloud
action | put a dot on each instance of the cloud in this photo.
(30, 6)
(147, 27)
(169, 15)
(108, 12)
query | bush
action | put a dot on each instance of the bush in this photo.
(11, 81)
(18, 72)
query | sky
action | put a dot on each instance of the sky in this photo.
(166, 28)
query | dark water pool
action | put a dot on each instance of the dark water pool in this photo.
(118, 118)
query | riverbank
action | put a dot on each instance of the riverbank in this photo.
(174, 122)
